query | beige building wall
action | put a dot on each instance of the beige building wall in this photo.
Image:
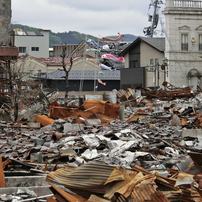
(31, 67)
(183, 17)
(148, 53)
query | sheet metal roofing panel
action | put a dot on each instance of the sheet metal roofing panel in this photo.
(84, 74)
(64, 196)
(94, 198)
(158, 197)
(143, 191)
(119, 178)
(90, 177)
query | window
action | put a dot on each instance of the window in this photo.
(200, 42)
(151, 62)
(22, 49)
(156, 63)
(35, 48)
(184, 42)
(133, 63)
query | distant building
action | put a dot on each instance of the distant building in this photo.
(183, 25)
(143, 60)
(32, 44)
(57, 50)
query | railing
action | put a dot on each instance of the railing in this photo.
(200, 47)
(184, 46)
(187, 4)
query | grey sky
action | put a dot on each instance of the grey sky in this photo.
(98, 18)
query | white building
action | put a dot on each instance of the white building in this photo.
(183, 42)
(32, 44)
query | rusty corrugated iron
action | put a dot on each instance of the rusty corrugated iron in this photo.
(143, 191)
(63, 196)
(94, 198)
(88, 177)
(158, 197)
(167, 182)
(122, 177)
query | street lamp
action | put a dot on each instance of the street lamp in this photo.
(163, 67)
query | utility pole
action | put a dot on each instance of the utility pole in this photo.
(149, 31)
(154, 18)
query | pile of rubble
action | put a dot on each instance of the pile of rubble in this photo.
(138, 149)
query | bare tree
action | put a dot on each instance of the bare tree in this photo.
(12, 87)
(16, 88)
(65, 69)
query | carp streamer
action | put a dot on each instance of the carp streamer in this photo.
(106, 67)
(118, 39)
(101, 82)
(112, 57)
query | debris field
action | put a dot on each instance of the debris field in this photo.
(142, 148)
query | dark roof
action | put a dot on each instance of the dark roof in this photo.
(84, 75)
(156, 42)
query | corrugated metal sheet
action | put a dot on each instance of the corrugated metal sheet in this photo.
(158, 197)
(168, 182)
(173, 195)
(90, 177)
(64, 196)
(119, 178)
(143, 190)
(94, 198)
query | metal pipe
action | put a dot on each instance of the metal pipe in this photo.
(40, 197)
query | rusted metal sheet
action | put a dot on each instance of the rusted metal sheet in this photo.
(88, 177)
(102, 107)
(168, 182)
(75, 114)
(64, 196)
(5, 163)
(158, 197)
(197, 158)
(44, 120)
(143, 191)
(51, 199)
(95, 106)
(184, 179)
(94, 198)
(119, 178)
(169, 95)
(173, 195)
(2, 179)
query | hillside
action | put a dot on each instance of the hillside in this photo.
(71, 37)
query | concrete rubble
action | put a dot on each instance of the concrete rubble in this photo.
(139, 149)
